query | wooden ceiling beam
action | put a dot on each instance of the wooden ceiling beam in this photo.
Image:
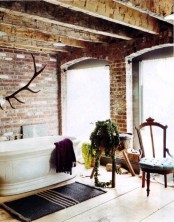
(26, 33)
(114, 12)
(154, 7)
(15, 42)
(47, 28)
(27, 48)
(46, 12)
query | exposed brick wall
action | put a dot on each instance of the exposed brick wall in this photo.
(118, 93)
(41, 107)
(45, 106)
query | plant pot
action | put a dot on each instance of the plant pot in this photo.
(87, 155)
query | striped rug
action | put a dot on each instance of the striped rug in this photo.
(49, 201)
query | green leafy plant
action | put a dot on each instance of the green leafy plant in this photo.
(104, 137)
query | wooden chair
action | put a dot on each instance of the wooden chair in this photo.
(153, 164)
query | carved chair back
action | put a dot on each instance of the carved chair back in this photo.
(150, 132)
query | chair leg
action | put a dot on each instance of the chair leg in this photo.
(143, 179)
(148, 184)
(165, 180)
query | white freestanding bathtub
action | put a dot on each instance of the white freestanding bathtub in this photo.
(29, 164)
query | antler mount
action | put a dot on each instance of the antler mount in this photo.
(25, 87)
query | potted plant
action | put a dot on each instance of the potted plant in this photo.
(105, 137)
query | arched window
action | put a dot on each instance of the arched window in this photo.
(153, 94)
(87, 99)
(157, 94)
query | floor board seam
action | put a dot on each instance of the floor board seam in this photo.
(101, 204)
(156, 211)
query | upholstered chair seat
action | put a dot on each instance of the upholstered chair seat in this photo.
(157, 164)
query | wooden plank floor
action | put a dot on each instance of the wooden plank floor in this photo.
(125, 203)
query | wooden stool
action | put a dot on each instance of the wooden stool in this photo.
(113, 168)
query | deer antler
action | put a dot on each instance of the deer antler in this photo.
(26, 87)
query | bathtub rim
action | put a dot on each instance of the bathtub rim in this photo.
(37, 183)
(17, 151)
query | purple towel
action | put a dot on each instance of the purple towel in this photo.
(65, 156)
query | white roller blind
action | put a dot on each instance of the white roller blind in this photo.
(158, 93)
(88, 100)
